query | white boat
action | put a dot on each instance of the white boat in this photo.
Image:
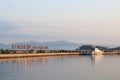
(96, 51)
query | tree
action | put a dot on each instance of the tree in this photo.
(2, 51)
(86, 47)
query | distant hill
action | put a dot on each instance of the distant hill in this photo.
(56, 45)
(62, 45)
(2, 46)
(91, 47)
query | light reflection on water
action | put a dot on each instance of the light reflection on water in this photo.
(61, 68)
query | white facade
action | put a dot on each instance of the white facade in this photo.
(96, 51)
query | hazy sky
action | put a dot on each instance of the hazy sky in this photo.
(83, 21)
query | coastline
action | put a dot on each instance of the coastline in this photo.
(35, 55)
(48, 54)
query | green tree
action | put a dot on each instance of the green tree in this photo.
(86, 47)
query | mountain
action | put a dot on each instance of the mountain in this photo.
(52, 45)
(61, 45)
(3, 46)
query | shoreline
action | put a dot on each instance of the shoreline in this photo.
(35, 55)
(47, 54)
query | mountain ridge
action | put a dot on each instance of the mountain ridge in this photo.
(60, 44)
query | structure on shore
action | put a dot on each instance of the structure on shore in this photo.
(29, 49)
(96, 51)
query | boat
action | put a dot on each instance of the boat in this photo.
(96, 51)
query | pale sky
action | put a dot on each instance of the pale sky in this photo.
(81, 21)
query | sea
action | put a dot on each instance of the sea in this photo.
(74, 67)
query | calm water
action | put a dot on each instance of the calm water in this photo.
(61, 68)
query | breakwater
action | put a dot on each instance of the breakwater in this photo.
(49, 54)
(35, 55)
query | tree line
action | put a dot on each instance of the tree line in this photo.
(91, 47)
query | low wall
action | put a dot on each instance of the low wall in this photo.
(49, 54)
(111, 53)
(35, 55)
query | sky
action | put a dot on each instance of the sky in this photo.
(81, 21)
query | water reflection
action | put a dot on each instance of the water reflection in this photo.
(96, 58)
(27, 62)
(23, 62)
(61, 68)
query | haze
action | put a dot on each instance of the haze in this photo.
(81, 21)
